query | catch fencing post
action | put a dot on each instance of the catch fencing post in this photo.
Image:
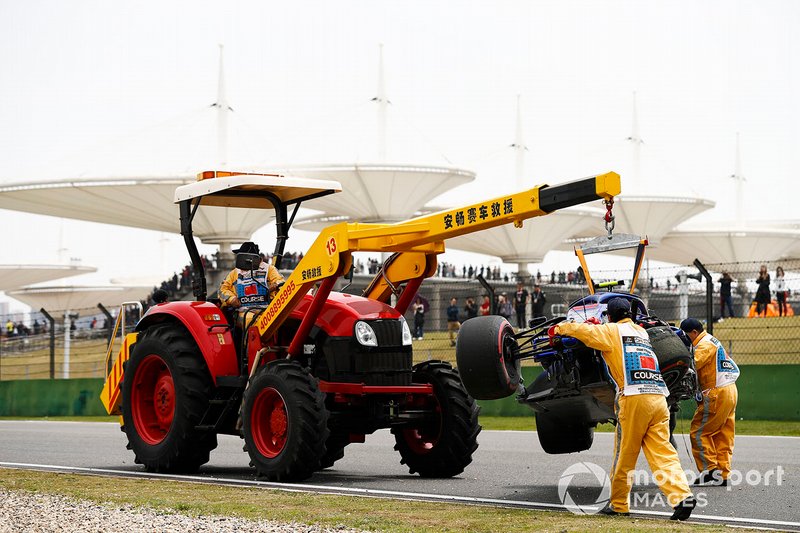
(109, 321)
(52, 342)
(490, 290)
(709, 296)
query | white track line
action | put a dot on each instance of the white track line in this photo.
(300, 487)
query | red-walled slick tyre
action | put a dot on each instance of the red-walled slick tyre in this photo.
(443, 445)
(484, 354)
(285, 422)
(165, 391)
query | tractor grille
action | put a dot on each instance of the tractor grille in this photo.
(389, 332)
(347, 361)
(376, 368)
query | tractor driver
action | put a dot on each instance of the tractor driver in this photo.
(640, 405)
(239, 289)
(713, 424)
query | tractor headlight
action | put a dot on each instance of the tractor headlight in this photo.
(365, 334)
(406, 332)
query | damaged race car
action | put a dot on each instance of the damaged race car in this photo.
(575, 391)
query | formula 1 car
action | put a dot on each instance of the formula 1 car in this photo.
(575, 392)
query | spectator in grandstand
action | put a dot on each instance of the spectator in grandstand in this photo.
(453, 324)
(763, 294)
(470, 309)
(419, 318)
(780, 291)
(486, 307)
(504, 307)
(725, 298)
(538, 299)
(521, 300)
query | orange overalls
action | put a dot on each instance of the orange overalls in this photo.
(641, 408)
(713, 426)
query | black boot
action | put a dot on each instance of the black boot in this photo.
(684, 509)
(711, 479)
(609, 511)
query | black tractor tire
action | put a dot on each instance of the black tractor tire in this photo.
(560, 435)
(334, 449)
(165, 392)
(443, 447)
(285, 422)
(484, 357)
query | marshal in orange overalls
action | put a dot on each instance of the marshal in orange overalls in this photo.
(641, 408)
(713, 426)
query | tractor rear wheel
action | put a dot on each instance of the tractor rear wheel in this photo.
(485, 356)
(334, 449)
(285, 422)
(165, 392)
(444, 444)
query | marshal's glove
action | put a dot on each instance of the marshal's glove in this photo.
(555, 339)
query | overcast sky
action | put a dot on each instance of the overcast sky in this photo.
(109, 88)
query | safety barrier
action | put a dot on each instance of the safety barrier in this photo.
(766, 392)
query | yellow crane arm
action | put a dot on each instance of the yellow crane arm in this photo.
(330, 255)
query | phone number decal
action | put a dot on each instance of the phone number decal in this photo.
(277, 304)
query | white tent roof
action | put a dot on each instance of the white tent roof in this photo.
(385, 193)
(530, 243)
(16, 276)
(140, 202)
(726, 246)
(74, 297)
(650, 216)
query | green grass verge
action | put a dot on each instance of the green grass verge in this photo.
(375, 514)
(786, 428)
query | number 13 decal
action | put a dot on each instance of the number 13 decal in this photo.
(331, 246)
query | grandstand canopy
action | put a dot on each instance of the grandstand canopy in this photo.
(727, 246)
(649, 216)
(76, 297)
(531, 242)
(381, 192)
(16, 276)
(139, 202)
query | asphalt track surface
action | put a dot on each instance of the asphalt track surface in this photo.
(509, 469)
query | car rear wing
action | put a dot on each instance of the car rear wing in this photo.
(619, 241)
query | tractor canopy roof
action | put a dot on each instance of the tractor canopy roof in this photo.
(241, 189)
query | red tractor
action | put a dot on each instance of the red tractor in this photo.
(311, 370)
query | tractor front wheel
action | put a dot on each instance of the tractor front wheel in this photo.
(285, 422)
(165, 391)
(443, 445)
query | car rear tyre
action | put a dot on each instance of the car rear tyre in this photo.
(442, 446)
(285, 422)
(165, 392)
(485, 357)
(560, 435)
